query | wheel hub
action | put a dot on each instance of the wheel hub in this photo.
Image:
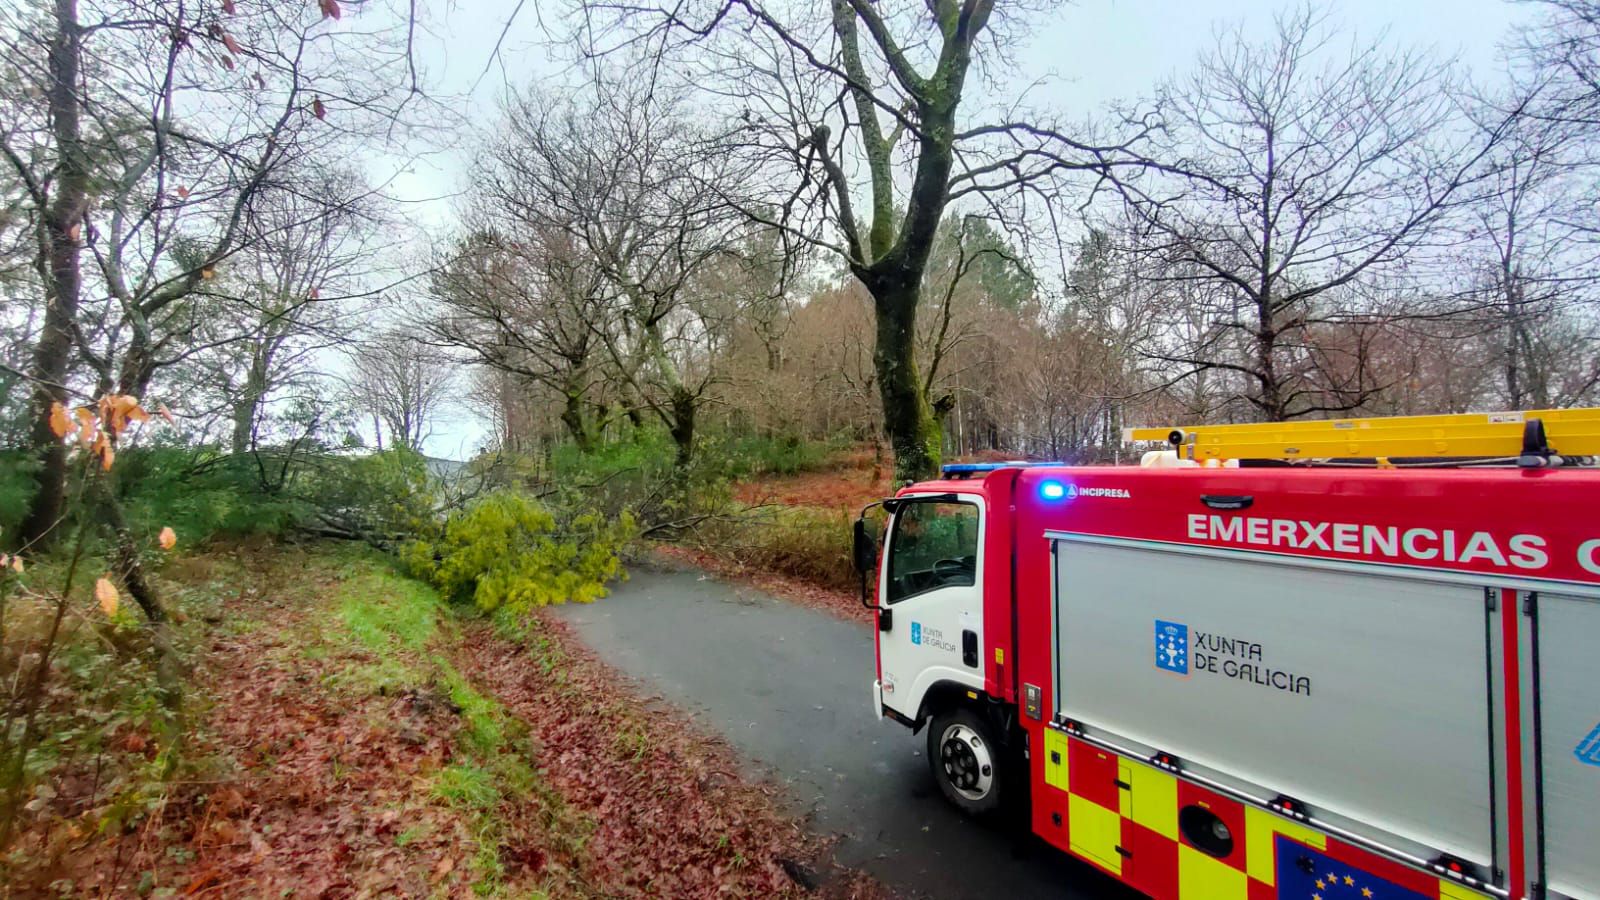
(964, 757)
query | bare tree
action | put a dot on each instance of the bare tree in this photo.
(620, 177)
(160, 125)
(843, 102)
(1533, 260)
(529, 308)
(1563, 52)
(1307, 168)
(401, 383)
(290, 293)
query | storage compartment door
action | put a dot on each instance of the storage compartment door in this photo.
(1569, 716)
(1364, 694)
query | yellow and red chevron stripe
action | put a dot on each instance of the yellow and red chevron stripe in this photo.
(1122, 815)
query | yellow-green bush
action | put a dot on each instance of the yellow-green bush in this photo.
(506, 550)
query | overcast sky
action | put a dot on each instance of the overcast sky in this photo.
(1098, 51)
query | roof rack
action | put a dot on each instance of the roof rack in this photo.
(967, 470)
(1534, 438)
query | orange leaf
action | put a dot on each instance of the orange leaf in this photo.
(183, 192)
(103, 449)
(60, 422)
(207, 273)
(227, 63)
(316, 294)
(168, 538)
(74, 231)
(318, 109)
(16, 564)
(165, 413)
(228, 7)
(330, 9)
(117, 409)
(106, 593)
(231, 44)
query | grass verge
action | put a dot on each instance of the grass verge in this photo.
(408, 633)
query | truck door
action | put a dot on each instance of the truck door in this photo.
(932, 593)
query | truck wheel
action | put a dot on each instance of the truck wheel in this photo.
(966, 761)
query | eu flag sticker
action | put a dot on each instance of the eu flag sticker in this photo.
(1172, 647)
(1588, 749)
(916, 632)
(1305, 874)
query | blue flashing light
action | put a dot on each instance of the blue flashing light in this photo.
(1052, 490)
(975, 468)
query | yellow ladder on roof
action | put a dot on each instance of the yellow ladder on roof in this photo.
(1568, 432)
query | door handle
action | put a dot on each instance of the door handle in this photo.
(969, 648)
(885, 619)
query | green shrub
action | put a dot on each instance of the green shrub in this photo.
(383, 497)
(201, 493)
(801, 542)
(640, 477)
(16, 489)
(781, 454)
(506, 550)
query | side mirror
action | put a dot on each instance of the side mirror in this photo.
(865, 550)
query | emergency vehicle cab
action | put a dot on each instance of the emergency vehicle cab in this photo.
(1350, 659)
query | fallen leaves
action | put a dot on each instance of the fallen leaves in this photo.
(322, 788)
(670, 819)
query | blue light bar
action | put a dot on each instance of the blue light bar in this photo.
(974, 468)
(1052, 490)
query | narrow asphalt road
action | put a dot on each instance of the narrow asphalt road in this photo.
(790, 688)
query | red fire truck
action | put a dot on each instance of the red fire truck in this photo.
(1348, 659)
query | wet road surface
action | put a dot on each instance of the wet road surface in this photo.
(790, 688)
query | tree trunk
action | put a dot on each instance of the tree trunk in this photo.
(682, 425)
(248, 406)
(577, 424)
(908, 419)
(129, 566)
(1270, 399)
(63, 277)
(138, 365)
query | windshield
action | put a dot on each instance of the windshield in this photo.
(935, 544)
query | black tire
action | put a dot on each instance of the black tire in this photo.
(967, 762)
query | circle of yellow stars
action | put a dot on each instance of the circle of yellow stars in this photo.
(1332, 879)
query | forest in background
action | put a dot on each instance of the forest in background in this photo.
(726, 248)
